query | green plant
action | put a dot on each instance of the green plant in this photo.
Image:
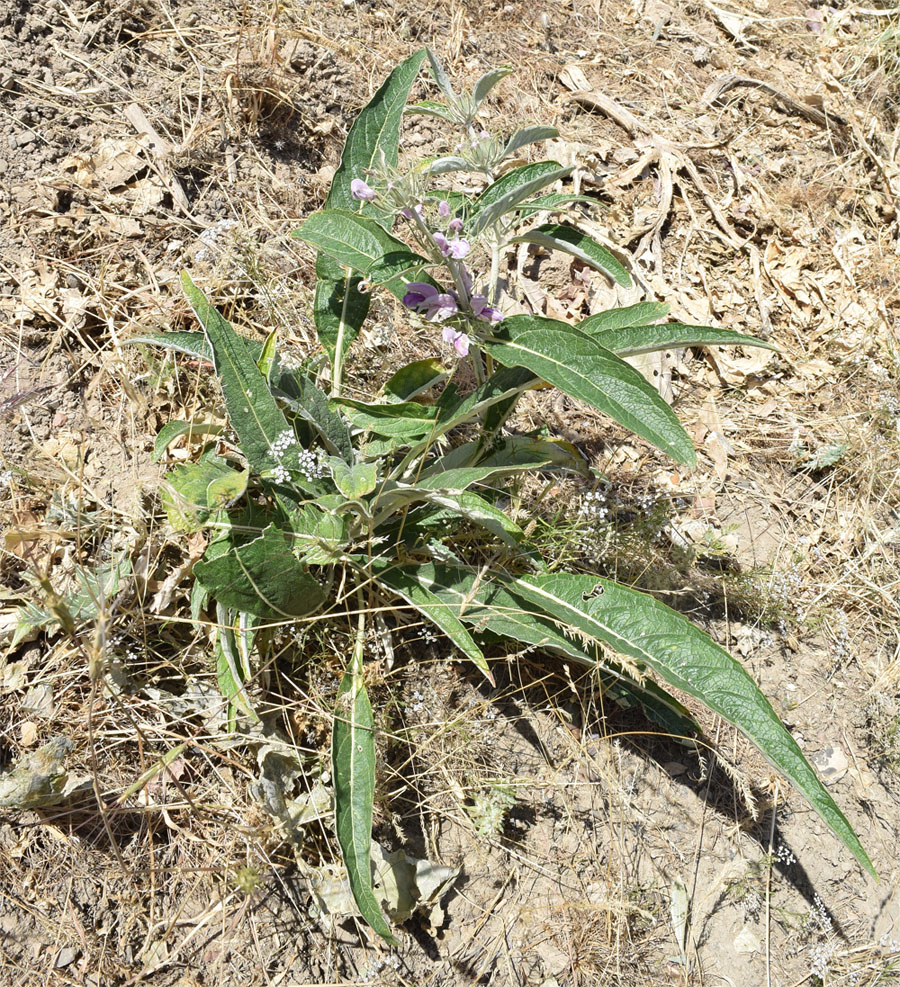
(334, 508)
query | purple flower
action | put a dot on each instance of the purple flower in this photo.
(408, 213)
(457, 248)
(443, 209)
(417, 292)
(459, 339)
(361, 191)
(455, 225)
(483, 311)
(435, 305)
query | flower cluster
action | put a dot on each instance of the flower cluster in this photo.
(311, 463)
(427, 298)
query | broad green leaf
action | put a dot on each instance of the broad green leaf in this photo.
(447, 481)
(406, 418)
(374, 132)
(578, 365)
(487, 82)
(356, 481)
(360, 243)
(641, 627)
(225, 490)
(260, 577)
(184, 495)
(485, 601)
(175, 430)
(353, 771)
(411, 583)
(514, 187)
(552, 236)
(459, 478)
(528, 135)
(649, 339)
(340, 308)
(641, 314)
(413, 379)
(252, 411)
(505, 384)
(311, 404)
(431, 108)
(318, 536)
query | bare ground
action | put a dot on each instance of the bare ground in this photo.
(745, 159)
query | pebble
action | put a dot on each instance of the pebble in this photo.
(832, 764)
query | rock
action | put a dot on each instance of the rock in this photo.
(832, 764)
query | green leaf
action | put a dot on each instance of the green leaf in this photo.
(225, 490)
(412, 583)
(358, 242)
(414, 379)
(528, 135)
(552, 202)
(184, 496)
(428, 107)
(175, 430)
(266, 358)
(641, 627)
(523, 452)
(404, 419)
(562, 355)
(318, 536)
(487, 82)
(357, 481)
(261, 577)
(353, 771)
(311, 404)
(473, 508)
(439, 75)
(339, 307)
(193, 344)
(641, 314)
(252, 411)
(552, 236)
(649, 339)
(449, 162)
(514, 187)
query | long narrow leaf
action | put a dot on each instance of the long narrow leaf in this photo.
(568, 240)
(513, 188)
(633, 340)
(412, 584)
(641, 627)
(252, 411)
(340, 308)
(528, 135)
(353, 770)
(578, 365)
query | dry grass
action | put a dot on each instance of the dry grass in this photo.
(186, 876)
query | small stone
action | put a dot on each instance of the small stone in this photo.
(67, 955)
(832, 764)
